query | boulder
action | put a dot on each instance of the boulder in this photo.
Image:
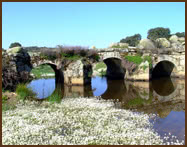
(14, 50)
(146, 44)
(174, 39)
(125, 45)
(178, 47)
(181, 39)
(113, 44)
(16, 67)
(163, 42)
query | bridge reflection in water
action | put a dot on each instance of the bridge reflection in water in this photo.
(158, 96)
(165, 97)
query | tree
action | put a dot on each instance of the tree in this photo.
(132, 40)
(15, 44)
(158, 32)
(182, 34)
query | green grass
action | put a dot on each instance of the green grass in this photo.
(100, 65)
(149, 59)
(138, 60)
(55, 97)
(24, 92)
(42, 69)
(6, 106)
(135, 59)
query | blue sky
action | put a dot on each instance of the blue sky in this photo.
(87, 24)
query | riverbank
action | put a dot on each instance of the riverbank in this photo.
(76, 121)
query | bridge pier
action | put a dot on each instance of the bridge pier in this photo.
(78, 73)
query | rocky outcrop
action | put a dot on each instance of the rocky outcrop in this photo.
(118, 44)
(163, 43)
(174, 39)
(146, 44)
(16, 67)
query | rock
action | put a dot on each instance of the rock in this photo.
(14, 50)
(163, 42)
(146, 63)
(181, 39)
(15, 68)
(146, 44)
(113, 44)
(125, 45)
(178, 47)
(174, 39)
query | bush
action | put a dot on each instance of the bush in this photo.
(15, 44)
(132, 40)
(158, 32)
(178, 34)
(24, 92)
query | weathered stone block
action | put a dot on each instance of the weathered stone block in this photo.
(77, 81)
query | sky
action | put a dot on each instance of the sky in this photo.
(85, 23)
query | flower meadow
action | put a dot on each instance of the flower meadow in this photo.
(77, 121)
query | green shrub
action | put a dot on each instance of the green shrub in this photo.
(158, 32)
(178, 34)
(15, 44)
(132, 40)
(24, 92)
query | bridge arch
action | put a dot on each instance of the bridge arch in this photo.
(164, 68)
(59, 75)
(115, 69)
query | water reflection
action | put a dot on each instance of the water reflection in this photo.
(165, 97)
(160, 96)
(164, 86)
(43, 87)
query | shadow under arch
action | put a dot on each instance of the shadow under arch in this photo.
(163, 69)
(114, 68)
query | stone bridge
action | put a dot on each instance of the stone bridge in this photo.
(79, 72)
(165, 63)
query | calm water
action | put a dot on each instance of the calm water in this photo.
(164, 97)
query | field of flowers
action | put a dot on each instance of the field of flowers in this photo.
(76, 121)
